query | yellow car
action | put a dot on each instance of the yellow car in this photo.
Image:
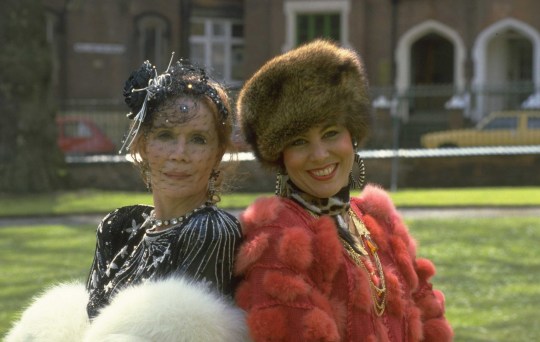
(497, 129)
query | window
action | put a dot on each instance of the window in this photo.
(311, 26)
(533, 123)
(77, 130)
(218, 45)
(501, 123)
(153, 40)
(308, 19)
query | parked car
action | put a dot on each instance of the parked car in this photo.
(497, 129)
(80, 135)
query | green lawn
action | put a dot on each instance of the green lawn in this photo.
(93, 201)
(489, 270)
(35, 257)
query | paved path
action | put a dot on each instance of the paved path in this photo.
(408, 213)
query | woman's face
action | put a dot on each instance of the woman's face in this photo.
(320, 160)
(181, 154)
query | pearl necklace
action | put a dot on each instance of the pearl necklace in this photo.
(156, 223)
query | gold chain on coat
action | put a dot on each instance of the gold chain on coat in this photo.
(378, 293)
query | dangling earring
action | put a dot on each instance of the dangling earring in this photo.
(357, 176)
(213, 196)
(147, 176)
(281, 184)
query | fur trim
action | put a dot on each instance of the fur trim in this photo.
(404, 261)
(267, 324)
(438, 330)
(430, 306)
(376, 201)
(169, 310)
(329, 251)
(425, 269)
(285, 288)
(250, 252)
(416, 332)
(58, 314)
(395, 300)
(319, 326)
(244, 295)
(295, 248)
(361, 292)
(310, 85)
(264, 209)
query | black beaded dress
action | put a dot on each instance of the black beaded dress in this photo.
(201, 248)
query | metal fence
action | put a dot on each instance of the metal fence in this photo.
(420, 123)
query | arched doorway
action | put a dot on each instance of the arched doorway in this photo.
(506, 63)
(509, 61)
(432, 72)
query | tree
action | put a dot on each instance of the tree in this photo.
(30, 160)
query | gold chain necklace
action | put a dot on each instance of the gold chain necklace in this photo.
(378, 293)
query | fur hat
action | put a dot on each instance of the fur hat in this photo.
(313, 84)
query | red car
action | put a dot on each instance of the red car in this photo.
(80, 135)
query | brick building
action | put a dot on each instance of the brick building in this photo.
(422, 52)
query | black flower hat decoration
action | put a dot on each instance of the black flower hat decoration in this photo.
(145, 91)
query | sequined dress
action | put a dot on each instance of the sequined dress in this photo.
(201, 248)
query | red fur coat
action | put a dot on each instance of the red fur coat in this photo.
(299, 284)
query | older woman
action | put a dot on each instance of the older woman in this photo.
(164, 272)
(317, 264)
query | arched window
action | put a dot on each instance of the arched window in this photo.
(432, 60)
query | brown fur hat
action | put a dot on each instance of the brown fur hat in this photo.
(313, 84)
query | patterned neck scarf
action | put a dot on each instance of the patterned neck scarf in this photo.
(335, 206)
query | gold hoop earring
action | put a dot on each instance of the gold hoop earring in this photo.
(281, 184)
(357, 176)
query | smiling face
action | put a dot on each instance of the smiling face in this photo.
(181, 153)
(319, 161)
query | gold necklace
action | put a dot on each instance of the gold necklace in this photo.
(378, 293)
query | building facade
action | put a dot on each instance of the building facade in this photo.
(483, 54)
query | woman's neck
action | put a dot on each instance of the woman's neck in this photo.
(166, 207)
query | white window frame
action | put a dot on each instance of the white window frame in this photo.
(293, 8)
(227, 40)
(161, 46)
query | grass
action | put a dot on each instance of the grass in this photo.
(488, 268)
(502, 196)
(93, 201)
(35, 257)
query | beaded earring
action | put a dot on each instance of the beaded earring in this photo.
(147, 177)
(213, 196)
(281, 184)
